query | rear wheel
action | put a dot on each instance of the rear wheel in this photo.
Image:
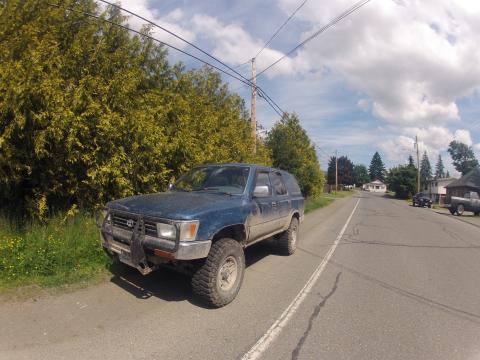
(460, 209)
(287, 241)
(218, 280)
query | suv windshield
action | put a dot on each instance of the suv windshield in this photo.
(224, 179)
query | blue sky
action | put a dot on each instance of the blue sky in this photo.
(390, 71)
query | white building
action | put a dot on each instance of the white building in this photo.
(436, 189)
(375, 186)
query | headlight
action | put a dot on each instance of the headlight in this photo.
(166, 231)
(188, 230)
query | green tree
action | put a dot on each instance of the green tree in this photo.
(361, 175)
(377, 168)
(293, 151)
(345, 171)
(439, 168)
(447, 175)
(463, 157)
(402, 181)
(425, 170)
(411, 162)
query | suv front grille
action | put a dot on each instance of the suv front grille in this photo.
(128, 223)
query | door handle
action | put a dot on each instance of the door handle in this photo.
(274, 204)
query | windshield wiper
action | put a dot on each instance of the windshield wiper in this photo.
(216, 189)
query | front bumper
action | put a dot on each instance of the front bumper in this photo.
(186, 250)
(136, 248)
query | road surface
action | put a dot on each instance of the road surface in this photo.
(400, 283)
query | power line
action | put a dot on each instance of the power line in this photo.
(332, 22)
(241, 78)
(280, 28)
(265, 95)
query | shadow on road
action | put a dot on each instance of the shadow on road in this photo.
(170, 285)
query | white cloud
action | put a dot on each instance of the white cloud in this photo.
(463, 136)
(170, 21)
(413, 58)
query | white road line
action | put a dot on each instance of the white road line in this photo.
(266, 340)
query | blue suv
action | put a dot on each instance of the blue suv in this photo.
(204, 222)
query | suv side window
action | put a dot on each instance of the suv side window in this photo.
(263, 180)
(278, 185)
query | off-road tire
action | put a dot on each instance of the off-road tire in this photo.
(287, 241)
(206, 280)
(460, 209)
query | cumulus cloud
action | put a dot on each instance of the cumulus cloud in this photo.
(413, 58)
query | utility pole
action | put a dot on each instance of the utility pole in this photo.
(336, 172)
(253, 110)
(418, 164)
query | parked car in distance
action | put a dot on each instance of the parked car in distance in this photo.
(469, 202)
(203, 224)
(421, 199)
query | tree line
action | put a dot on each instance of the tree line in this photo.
(89, 113)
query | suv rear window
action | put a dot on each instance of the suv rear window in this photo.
(292, 184)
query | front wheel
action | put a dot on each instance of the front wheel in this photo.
(287, 241)
(460, 209)
(217, 282)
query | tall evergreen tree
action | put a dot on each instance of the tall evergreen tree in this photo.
(377, 168)
(463, 157)
(345, 171)
(439, 168)
(447, 175)
(425, 170)
(411, 162)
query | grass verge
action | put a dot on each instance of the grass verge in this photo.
(324, 199)
(63, 251)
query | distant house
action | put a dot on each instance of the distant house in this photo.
(436, 189)
(375, 186)
(468, 182)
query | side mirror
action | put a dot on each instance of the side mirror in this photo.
(261, 191)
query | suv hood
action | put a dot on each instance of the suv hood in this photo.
(176, 205)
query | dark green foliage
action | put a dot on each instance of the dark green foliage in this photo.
(377, 168)
(402, 181)
(89, 112)
(361, 175)
(439, 168)
(463, 157)
(411, 162)
(425, 170)
(345, 171)
(293, 151)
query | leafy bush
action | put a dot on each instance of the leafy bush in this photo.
(89, 112)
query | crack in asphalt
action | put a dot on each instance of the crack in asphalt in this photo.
(316, 311)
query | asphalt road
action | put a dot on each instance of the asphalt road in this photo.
(400, 283)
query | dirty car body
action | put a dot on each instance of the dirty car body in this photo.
(241, 203)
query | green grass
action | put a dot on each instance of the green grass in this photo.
(324, 199)
(56, 253)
